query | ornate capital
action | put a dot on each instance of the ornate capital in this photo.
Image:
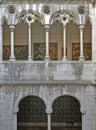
(12, 27)
(47, 27)
(48, 111)
(81, 26)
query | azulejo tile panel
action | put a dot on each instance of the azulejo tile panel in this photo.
(21, 52)
(40, 51)
(76, 51)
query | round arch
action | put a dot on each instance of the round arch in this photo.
(66, 113)
(20, 98)
(32, 112)
(73, 96)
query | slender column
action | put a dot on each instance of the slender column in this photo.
(93, 39)
(81, 43)
(47, 57)
(15, 121)
(49, 120)
(1, 41)
(12, 56)
(29, 46)
(64, 42)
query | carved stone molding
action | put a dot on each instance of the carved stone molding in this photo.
(49, 1)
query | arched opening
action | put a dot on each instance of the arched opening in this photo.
(66, 114)
(31, 114)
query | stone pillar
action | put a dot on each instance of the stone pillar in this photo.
(64, 42)
(89, 117)
(81, 43)
(15, 121)
(93, 39)
(47, 57)
(1, 41)
(12, 56)
(29, 46)
(49, 120)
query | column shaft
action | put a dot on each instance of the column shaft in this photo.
(12, 56)
(29, 46)
(1, 42)
(64, 42)
(47, 57)
(81, 43)
(94, 40)
(49, 121)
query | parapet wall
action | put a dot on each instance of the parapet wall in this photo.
(47, 72)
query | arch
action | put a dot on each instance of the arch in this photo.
(56, 15)
(32, 108)
(77, 98)
(66, 110)
(25, 12)
(20, 98)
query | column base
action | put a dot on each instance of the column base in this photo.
(81, 58)
(47, 58)
(64, 58)
(29, 59)
(12, 59)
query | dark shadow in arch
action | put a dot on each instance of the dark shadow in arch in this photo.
(31, 113)
(66, 114)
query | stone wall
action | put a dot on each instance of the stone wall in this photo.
(47, 80)
(47, 72)
(11, 95)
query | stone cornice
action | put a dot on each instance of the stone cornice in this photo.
(47, 1)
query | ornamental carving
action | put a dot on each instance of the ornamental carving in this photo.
(11, 9)
(46, 9)
(82, 9)
(64, 17)
(29, 17)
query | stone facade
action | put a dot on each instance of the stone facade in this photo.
(47, 80)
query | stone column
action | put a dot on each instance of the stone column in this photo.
(1, 41)
(12, 56)
(47, 57)
(93, 39)
(49, 120)
(64, 42)
(89, 117)
(15, 121)
(29, 46)
(81, 43)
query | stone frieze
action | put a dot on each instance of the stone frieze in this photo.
(48, 1)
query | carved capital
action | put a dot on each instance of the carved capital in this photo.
(12, 27)
(47, 27)
(48, 111)
(81, 26)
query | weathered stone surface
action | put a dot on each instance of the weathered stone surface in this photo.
(49, 1)
(68, 72)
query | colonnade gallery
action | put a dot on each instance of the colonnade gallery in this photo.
(47, 65)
